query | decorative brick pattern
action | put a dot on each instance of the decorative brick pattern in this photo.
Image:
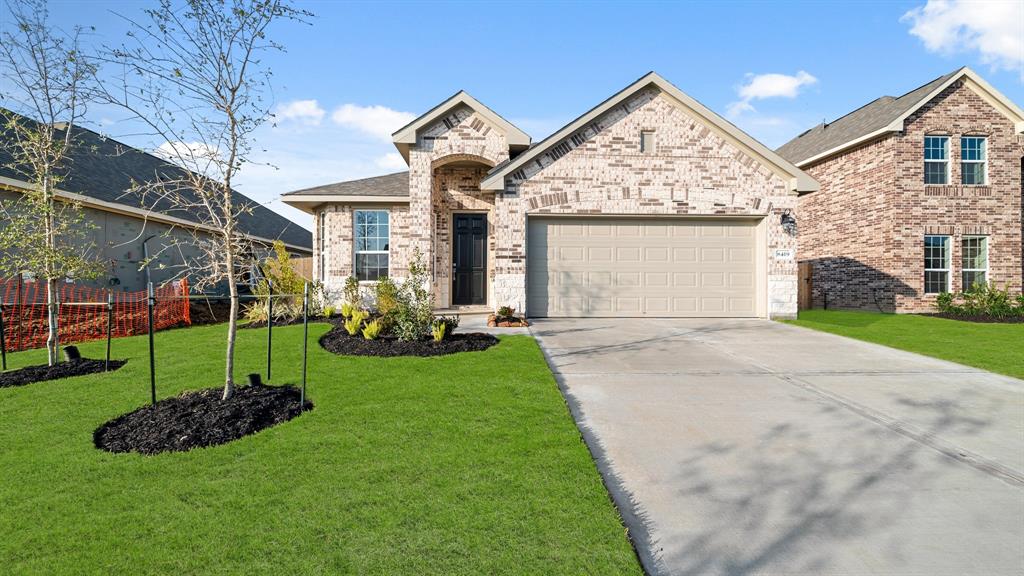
(864, 230)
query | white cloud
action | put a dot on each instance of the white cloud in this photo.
(377, 121)
(762, 86)
(190, 154)
(305, 111)
(994, 29)
(391, 161)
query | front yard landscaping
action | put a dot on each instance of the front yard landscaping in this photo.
(459, 464)
(994, 347)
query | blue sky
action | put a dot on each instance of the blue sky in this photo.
(361, 70)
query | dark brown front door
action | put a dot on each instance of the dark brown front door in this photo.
(469, 259)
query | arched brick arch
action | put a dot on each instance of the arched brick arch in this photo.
(453, 158)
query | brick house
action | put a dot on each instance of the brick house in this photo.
(649, 204)
(920, 194)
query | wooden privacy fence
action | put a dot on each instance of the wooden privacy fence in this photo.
(805, 286)
(83, 315)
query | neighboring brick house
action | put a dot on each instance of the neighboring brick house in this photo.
(649, 204)
(920, 194)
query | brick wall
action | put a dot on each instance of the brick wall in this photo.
(864, 230)
(693, 171)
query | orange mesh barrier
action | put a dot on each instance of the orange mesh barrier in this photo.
(24, 310)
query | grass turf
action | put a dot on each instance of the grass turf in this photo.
(994, 347)
(462, 464)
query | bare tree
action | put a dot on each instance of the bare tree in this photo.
(194, 75)
(45, 75)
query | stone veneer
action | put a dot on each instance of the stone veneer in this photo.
(693, 171)
(864, 230)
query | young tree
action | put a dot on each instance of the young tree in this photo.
(194, 75)
(44, 93)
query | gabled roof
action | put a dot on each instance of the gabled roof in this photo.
(799, 181)
(886, 115)
(387, 188)
(101, 171)
(405, 137)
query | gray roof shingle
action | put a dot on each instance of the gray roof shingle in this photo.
(388, 186)
(862, 121)
(105, 169)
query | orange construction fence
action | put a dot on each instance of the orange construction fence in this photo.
(83, 312)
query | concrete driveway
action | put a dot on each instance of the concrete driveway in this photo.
(751, 447)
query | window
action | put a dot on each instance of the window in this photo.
(936, 264)
(320, 232)
(647, 142)
(972, 160)
(974, 261)
(371, 235)
(936, 160)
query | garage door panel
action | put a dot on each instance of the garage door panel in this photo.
(640, 267)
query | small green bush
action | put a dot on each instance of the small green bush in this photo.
(437, 330)
(413, 314)
(351, 292)
(450, 323)
(347, 310)
(386, 294)
(981, 300)
(328, 311)
(506, 312)
(372, 330)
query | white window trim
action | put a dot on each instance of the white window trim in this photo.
(949, 263)
(946, 161)
(356, 252)
(984, 163)
(322, 244)
(988, 252)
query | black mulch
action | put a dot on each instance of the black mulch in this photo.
(199, 419)
(30, 374)
(339, 342)
(983, 318)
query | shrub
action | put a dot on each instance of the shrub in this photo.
(450, 322)
(351, 292)
(353, 325)
(328, 311)
(413, 313)
(437, 330)
(347, 310)
(981, 300)
(278, 273)
(506, 311)
(386, 294)
(372, 330)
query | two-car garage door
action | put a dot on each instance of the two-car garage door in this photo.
(641, 267)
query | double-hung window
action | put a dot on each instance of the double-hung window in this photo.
(372, 231)
(974, 261)
(936, 264)
(936, 160)
(973, 160)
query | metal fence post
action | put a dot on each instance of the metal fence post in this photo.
(110, 321)
(152, 363)
(270, 323)
(3, 340)
(305, 342)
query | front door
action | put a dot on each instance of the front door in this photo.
(469, 259)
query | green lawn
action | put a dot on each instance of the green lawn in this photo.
(465, 464)
(994, 347)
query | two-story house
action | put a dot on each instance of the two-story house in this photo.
(920, 194)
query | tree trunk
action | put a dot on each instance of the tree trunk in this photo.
(229, 384)
(51, 321)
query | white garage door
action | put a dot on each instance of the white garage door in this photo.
(641, 267)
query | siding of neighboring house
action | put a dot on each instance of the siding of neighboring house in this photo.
(864, 230)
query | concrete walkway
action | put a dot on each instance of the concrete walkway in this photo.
(747, 447)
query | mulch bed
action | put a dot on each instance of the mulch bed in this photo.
(980, 318)
(41, 373)
(211, 311)
(199, 419)
(339, 342)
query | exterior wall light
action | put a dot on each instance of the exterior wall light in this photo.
(788, 223)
